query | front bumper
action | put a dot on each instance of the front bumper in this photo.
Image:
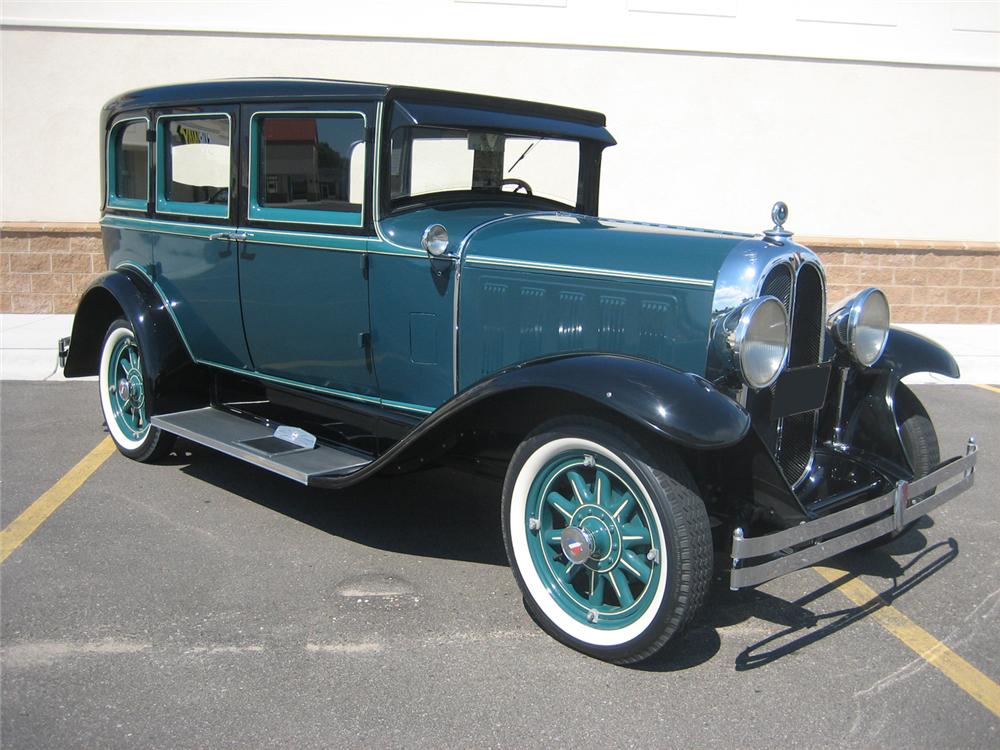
(806, 544)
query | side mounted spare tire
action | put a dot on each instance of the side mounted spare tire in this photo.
(612, 548)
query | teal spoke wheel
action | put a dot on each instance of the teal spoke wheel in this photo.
(612, 551)
(123, 396)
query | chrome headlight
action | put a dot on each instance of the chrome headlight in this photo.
(753, 338)
(861, 325)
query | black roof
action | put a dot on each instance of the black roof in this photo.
(264, 89)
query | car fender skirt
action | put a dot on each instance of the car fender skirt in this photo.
(166, 364)
(907, 352)
(682, 407)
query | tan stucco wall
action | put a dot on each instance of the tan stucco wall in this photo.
(857, 149)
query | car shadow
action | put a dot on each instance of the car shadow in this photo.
(800, 625)
(806, 627)
(446, 514)
(437, 513)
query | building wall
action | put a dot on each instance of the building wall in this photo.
(44, 269)
(878, 122)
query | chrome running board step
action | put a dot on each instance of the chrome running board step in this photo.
(255, 443)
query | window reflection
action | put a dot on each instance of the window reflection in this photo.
(313, 163)
(197, 160)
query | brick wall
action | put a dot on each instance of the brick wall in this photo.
(44, 268)
(926, 282)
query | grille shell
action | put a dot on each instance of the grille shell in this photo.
(802, 291)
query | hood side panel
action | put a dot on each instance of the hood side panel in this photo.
(548, 284)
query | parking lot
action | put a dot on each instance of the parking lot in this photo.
(202, 602)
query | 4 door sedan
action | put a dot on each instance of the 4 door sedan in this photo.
(335, 280)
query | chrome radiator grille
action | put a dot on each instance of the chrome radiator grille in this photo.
(803, 295)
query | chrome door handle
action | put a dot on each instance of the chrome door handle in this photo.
(237, 236)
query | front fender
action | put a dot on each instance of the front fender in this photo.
(168, 370)
(906, 353)
(682, 407)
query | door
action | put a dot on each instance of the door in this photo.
(303, 263)
(194, 260)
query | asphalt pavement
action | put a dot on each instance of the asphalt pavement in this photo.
(204, 603)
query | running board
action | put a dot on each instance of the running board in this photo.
(230, 434)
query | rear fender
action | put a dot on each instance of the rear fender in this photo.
(174, 382)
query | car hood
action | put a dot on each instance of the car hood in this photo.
(605, 246)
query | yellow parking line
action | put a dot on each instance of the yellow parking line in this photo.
(926, 646)
(35, 514)
(989, 387)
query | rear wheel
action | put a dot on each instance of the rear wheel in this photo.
(123, 396)
(612, 549)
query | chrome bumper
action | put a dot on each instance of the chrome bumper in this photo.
(821, 534)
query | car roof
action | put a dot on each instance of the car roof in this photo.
(284, 89)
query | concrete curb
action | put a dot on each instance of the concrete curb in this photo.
(29, 348)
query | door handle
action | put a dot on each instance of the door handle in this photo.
(236, 236)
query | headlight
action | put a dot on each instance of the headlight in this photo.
(754, 340)
(861, 326)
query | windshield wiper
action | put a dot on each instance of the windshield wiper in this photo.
(530, 146)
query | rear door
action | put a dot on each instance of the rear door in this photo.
(303, 262)
(194, 258)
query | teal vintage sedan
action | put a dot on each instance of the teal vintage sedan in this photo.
(333, 280)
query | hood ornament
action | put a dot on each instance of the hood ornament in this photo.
(779, 215)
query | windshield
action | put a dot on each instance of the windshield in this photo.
(434, 162)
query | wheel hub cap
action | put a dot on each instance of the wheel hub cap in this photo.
(577, 544)
(124, 389)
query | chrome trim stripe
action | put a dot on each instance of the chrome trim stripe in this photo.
(142, 224)
(677, 227)
(559, 268)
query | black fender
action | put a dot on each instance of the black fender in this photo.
(872, 424)
(906, 353)
(680, 408)
(173, 380)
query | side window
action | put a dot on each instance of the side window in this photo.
(307, 167)
(128, 165)
(194, 165)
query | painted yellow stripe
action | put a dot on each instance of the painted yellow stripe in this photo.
(35, 514)
(989, 388)
(926, 646)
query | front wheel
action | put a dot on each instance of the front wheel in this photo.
(612, 549)
(123, 396)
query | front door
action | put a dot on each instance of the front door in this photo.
(303, 261)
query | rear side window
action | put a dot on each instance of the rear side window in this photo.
(307, 167)
(194, 158)
(128, 165)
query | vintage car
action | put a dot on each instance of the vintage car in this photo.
(333, 280)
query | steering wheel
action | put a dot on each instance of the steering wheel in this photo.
(519, 185)
(220, 196)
